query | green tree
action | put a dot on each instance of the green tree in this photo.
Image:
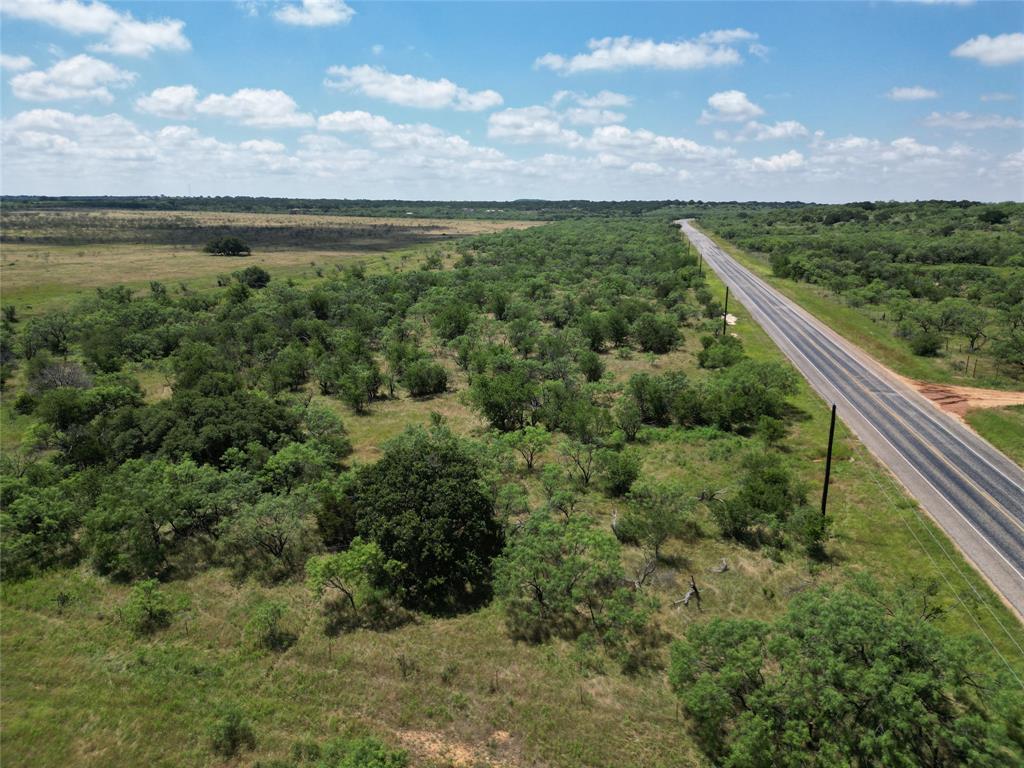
(269, 539)
(529, 442)
(227, 246)
(359, 574)
(426, 504)
(849, 677)
(562, 579)
(617, 470)
(656, 514)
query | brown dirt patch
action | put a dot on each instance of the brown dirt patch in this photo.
(438, 747)
(959, 400)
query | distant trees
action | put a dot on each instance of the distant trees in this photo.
(227, 246)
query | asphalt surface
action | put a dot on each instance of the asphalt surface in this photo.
(974, 492)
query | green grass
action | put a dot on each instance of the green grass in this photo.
(78, 690)
(1003, 427)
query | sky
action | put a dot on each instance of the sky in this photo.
(814, 101)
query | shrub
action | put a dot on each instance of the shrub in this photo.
(926, 343)
(147, 609)
(264, 631)
(720, 351)
(655, 333)
(227, 246)
(591, 365)
(618, 470)
(365, 752)
(253, 277)
(230, 732)
(425, 377)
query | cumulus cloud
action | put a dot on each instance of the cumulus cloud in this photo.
(993, 51)
(711, 49)
(124, 35)
(590, 116)
(730, 106)
(530, 124)
(965, 121)
(784, 129)
(256, 107)
(264, 146)
(784, 162)
(80, 77)
(175, 102)
(911, 93)
(411, 91)
(315, 13)
(408, 137)
(15, 63)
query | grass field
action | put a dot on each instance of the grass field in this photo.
(1003, 427)
(78, 690)
(47, 259)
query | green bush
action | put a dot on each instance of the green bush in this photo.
(425, 377)
(227, 246)
(264, 631)
(617, 470)
(230, 732)
(147, 609)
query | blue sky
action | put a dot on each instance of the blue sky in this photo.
(719, 101)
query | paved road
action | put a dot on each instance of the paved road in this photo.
(969, 488)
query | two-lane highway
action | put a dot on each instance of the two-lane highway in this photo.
(969, 488)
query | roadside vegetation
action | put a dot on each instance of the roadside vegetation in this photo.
(517, 501)
(933, 289)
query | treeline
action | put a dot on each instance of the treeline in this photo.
(939, 272)
(541, 210)
(84, 227)
(246, 466)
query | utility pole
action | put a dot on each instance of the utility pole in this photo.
(725, 314)
(828, 460)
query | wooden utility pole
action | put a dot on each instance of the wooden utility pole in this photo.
(725, 314)
(828, 460)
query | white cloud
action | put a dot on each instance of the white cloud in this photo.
(730, 106)
(256, 107)
(124, 34)
(15, 63)
(965, 121)
(997, 97)
(315, 13)
(785, 129)
(530, 124)
(403, 137)
(911, 93)
(648, 169)
(80, 77)
(993, 51)
(377, 49)
(411, 91)
(588, 116)
(176, 102)
(712, 49)
(603, 100)
(784, 162)
(264, 146)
